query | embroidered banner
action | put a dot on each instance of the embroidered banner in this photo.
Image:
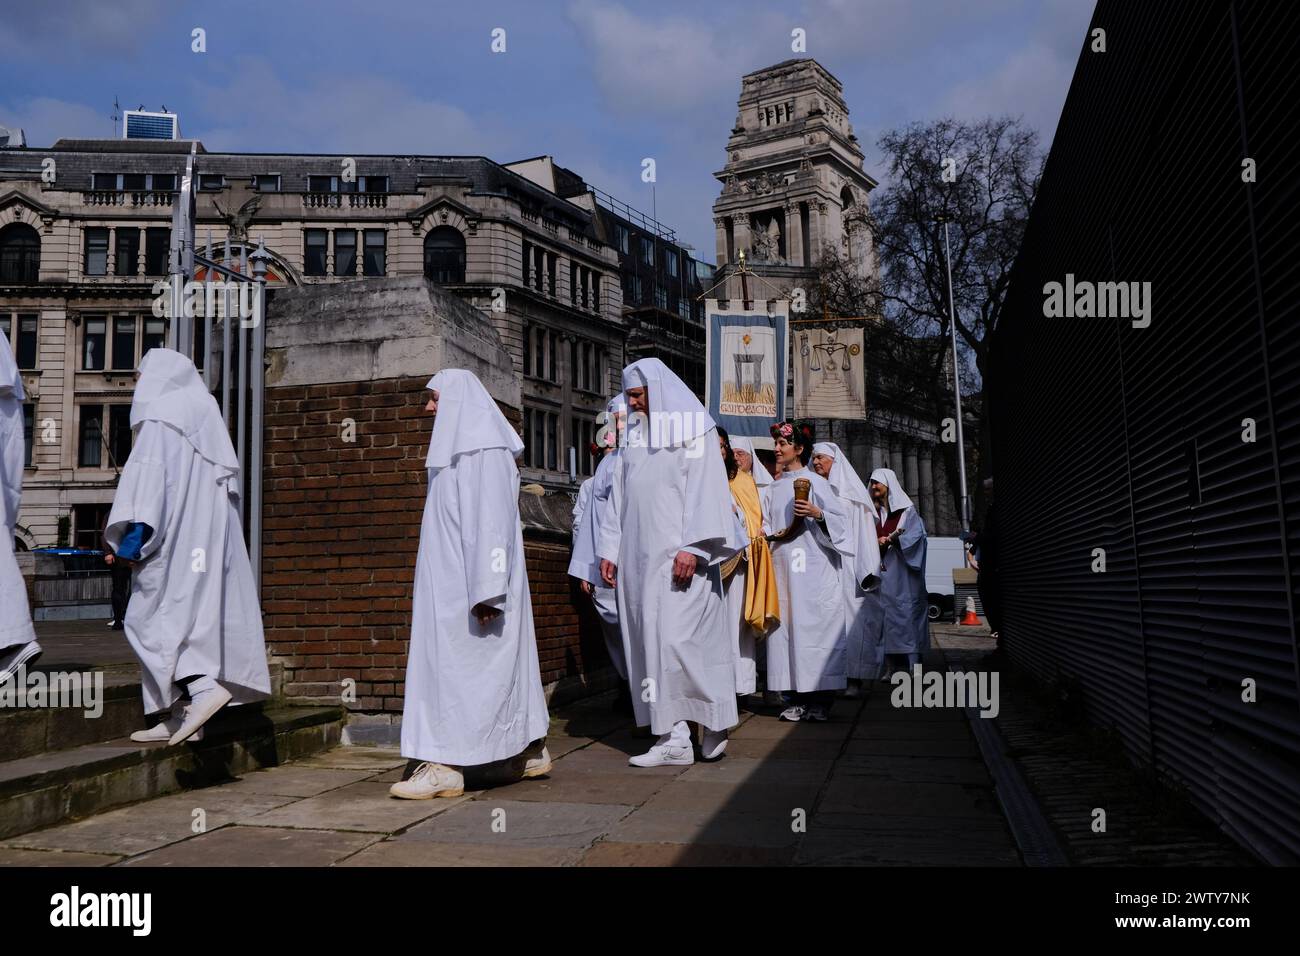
(828, 373)
(745, 367)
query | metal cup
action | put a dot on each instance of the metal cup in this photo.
(802, 486)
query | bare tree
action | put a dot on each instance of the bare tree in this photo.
(983, 178)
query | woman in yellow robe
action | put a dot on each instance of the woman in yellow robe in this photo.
(750, 589)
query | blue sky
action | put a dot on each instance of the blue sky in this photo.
(598, 85)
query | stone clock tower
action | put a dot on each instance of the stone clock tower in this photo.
(793, 186)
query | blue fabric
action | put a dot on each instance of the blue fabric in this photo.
(136, 535)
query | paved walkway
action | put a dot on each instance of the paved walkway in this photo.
(875, 785)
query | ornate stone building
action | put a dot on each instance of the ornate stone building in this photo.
(793, 191)
(84, 234)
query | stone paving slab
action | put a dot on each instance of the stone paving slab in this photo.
(425, 853)
(796, 731)
(11, 856)
(365, 807)
(706, 825)
(562, 787)
(526, 823)
(608, 853)
(295, 780)
(152, 824)
(944, 800)
(258, 846)
(733, 769)
(951, 746)
(784, 749)
(735, 797)
(375, 759)
(914, 769)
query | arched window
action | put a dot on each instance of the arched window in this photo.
(20, 253)
(847, 199)
(444, 256)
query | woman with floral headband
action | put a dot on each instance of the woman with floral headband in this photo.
(812, 538)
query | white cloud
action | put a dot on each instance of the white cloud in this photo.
(254, 110)
(120, 28)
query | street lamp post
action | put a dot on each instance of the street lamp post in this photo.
(956, 381)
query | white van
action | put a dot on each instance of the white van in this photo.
(941, 556)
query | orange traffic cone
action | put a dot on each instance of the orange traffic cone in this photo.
(970, 617)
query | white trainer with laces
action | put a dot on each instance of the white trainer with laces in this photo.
(166, 728)
(668, 752)
(430, 780)
(795, 712)
(11, 661)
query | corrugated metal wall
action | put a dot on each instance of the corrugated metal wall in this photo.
(1131, 439)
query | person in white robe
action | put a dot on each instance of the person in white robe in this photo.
(811, 541)
(861, 662)
(473, 681)
(896, 628)
(194, 619)
(670, 529)
(18, 645)
(590, 510)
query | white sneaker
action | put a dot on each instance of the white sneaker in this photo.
(16, 658)
(430, 780)
(713, 744)
(201, 709)
(666, 753)
(111, 624)
(166, 728)
(537, 763)
(794, 713)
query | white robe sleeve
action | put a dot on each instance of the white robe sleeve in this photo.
(581, 505)
(609, 535)
(708, 524)
(837, 535)
(911, 541)
(487, 490)
(143, 494)
(11, 462)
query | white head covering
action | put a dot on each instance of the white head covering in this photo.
(676, 415)
(898, 499)
(762, 477)
(468, 419)
(844, 478)
(170, 391)
(11, 383)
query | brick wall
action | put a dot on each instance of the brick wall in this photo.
(340, 533)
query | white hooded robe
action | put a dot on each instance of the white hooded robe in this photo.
(860, 659)
(670, 494)
(805, 652)
(473, 693)
(194, 608)
(896, 615)
(15, 616)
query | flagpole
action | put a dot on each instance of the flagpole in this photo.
(956, 382)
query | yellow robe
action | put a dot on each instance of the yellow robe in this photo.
(761, 611)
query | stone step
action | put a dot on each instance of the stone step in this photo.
(28, 731)
(61, 785)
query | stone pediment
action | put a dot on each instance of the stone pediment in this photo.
(445, 205)
(47, 213)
